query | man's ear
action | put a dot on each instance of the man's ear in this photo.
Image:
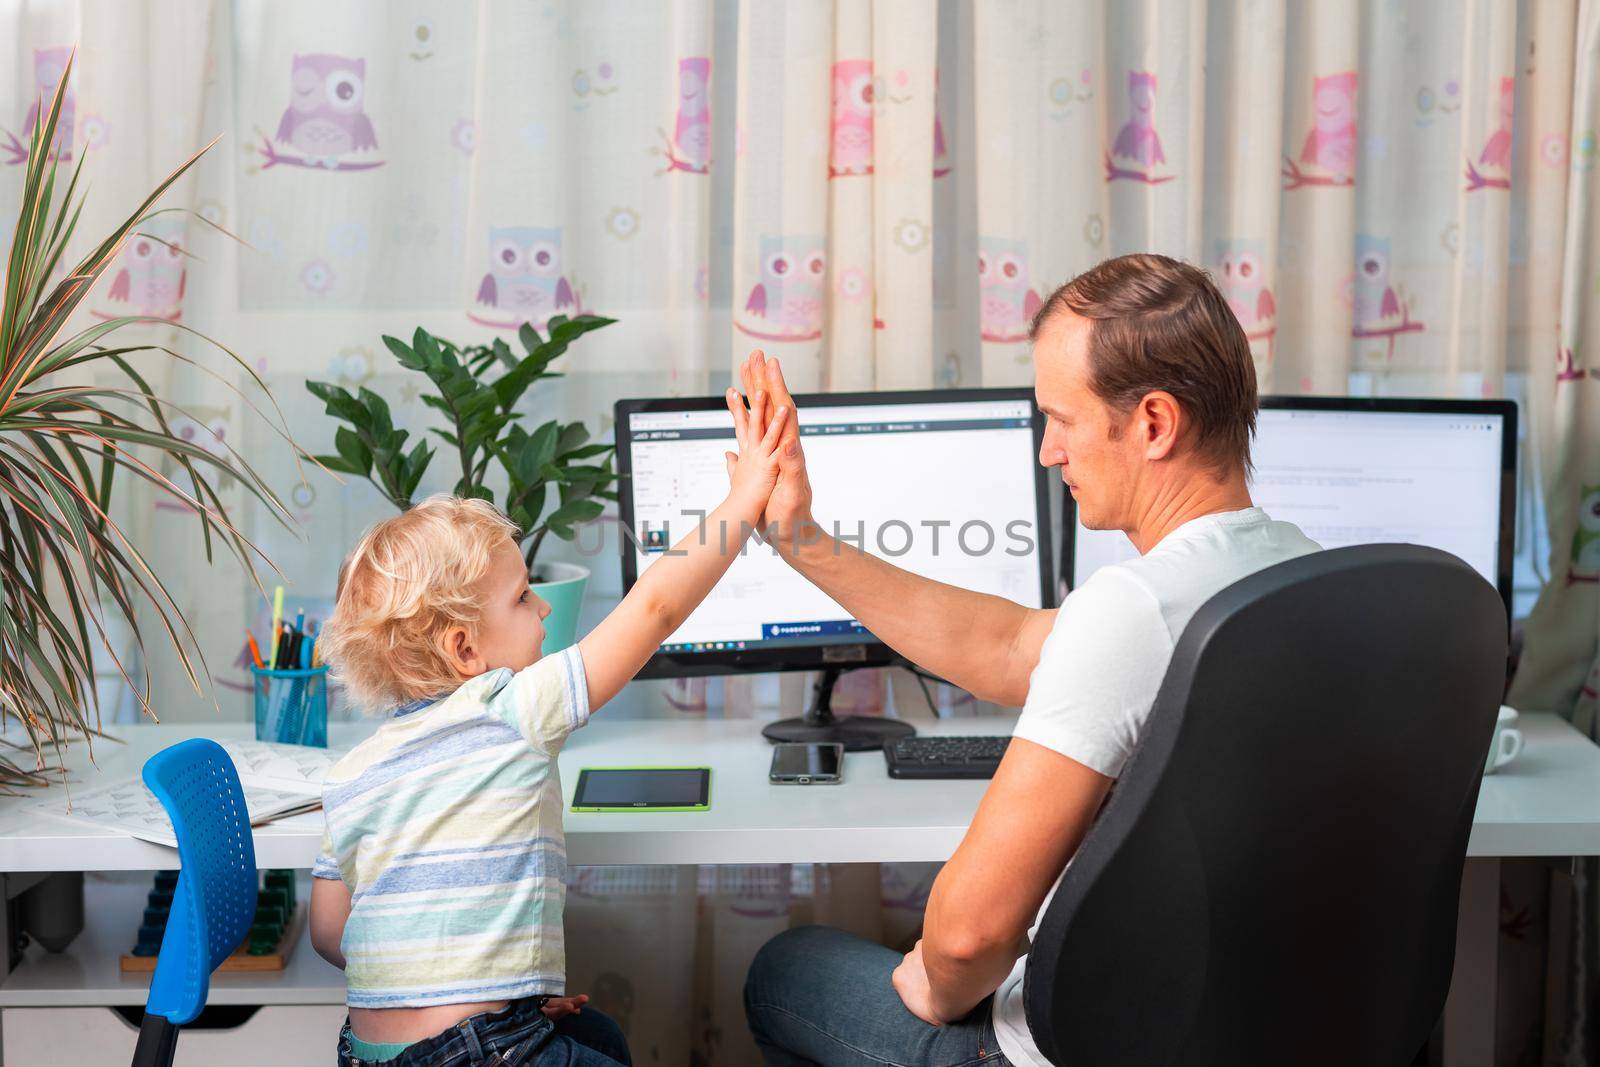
(457, 648)
(1161, 421)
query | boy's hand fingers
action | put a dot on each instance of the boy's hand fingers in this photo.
(736, 409)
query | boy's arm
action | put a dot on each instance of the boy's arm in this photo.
(674, 585)
(330, 910)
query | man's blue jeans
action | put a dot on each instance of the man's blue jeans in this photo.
(824, 997)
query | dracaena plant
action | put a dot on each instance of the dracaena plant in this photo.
(477, 388)
(67, 569)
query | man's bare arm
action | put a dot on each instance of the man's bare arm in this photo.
(985, 644)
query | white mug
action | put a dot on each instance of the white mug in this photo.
(1507, 743)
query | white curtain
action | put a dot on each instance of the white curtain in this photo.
(1394, 193)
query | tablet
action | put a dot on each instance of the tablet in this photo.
(643, 789)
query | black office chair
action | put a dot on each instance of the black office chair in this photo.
(1275, 876)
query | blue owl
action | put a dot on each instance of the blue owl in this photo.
(789, 294)
(1373, 297)
(1242, 277)
(525, 275)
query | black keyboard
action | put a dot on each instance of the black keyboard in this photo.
(945, 757)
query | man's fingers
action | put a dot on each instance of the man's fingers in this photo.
(732, 461)
(747, 373)
(780, 395)
(756, 428)
(769, 440)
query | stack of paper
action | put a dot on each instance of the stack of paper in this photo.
(278, 781)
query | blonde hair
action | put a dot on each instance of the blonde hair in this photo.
(408, 580)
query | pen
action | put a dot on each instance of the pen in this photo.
(255, 650)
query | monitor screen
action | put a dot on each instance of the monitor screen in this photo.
(946, 484)
(1348, 472)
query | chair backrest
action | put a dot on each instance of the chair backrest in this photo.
(215, 900)
(1275, 876)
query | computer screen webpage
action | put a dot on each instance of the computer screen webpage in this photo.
(1365, 477)
(944, 489)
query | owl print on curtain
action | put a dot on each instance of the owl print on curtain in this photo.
(49, 66)
(526, 281)
(1495, 159)
(787, 303)
(326, 122)
(1378, 311)
(1241, 275)
(150, 273)
(851, 126)
(688, 149)
(1007, 302)
(1136, 155)
(1328, 156)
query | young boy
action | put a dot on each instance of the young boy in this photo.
(440, 884)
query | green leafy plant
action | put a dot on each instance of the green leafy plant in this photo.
(66, 567)
(477, 389)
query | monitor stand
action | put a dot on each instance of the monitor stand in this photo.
(857, 733)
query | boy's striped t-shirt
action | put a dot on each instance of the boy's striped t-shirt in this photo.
(446, 826)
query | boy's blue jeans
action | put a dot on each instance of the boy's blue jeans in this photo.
(517, 1035)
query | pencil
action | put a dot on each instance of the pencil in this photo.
(277, 624)
(255, 650)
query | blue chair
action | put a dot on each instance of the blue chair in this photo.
(215, 900)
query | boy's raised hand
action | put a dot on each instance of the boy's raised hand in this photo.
(754, 470)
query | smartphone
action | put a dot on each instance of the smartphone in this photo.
(807, 764)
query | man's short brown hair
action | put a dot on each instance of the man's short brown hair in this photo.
(1159, 324)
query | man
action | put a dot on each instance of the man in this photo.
(1146, 380)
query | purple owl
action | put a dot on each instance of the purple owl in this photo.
(852, 117)
(325, 118)
(1137, 140)
(49, 66)
(526, 279)
(691, 132)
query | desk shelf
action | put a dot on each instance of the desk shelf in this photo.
(89, 972)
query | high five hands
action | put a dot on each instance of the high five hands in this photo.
(788, 509)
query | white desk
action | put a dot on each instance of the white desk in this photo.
(1547, 803)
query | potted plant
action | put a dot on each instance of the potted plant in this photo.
(68, 572)
(477, 389)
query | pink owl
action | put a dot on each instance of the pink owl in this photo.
(49, 66)
(1007, 304)
(852, 117)
(691, 133)
(1137, 140)
(789, 295)
(325, 118)
(153, 272)
(1331, 144)
(1497, 150)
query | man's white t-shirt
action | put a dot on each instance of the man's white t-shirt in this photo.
(1105, 658)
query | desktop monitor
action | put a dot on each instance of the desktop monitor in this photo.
(944, 483)
(1351, 471)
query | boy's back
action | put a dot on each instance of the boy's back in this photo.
(446, 827)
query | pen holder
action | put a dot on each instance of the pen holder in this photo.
(292, 706)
